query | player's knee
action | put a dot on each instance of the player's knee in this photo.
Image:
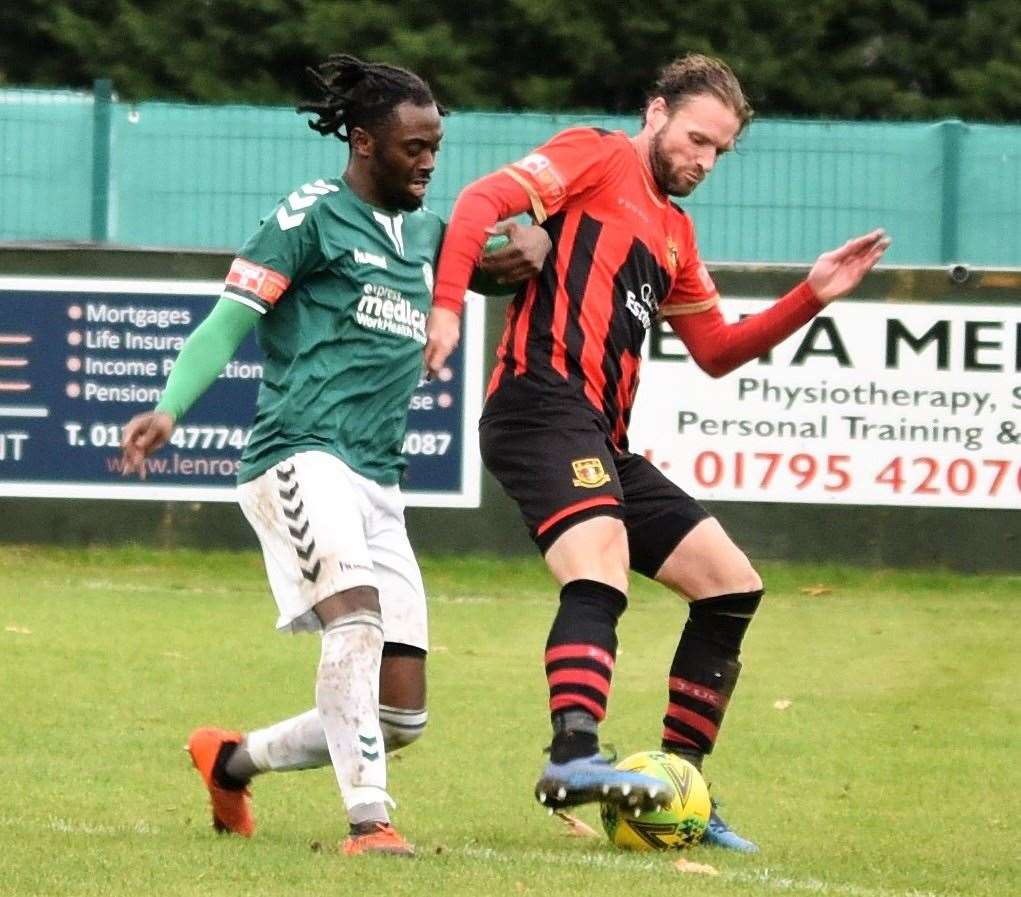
(735, 575)
(359, 599)
(401, 727)
(750, 581)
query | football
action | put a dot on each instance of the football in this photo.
(678, 825)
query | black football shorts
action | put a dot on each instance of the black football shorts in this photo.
(561, 470)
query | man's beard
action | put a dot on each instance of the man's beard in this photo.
(393, 189)
(409, 203)
(403, 200)
(662, 173)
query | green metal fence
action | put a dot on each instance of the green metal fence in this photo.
(46, 152)
(80, 166)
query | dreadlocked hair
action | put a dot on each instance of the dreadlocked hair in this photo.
(357, 94)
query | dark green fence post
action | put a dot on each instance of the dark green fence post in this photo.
(952, 133)
(102, 119)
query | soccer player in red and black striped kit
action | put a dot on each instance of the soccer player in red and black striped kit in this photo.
(554, 428)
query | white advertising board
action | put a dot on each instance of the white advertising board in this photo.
(872, 403)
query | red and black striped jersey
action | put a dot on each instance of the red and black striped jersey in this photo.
(623, 255)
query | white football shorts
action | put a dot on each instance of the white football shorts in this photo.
(325, 528)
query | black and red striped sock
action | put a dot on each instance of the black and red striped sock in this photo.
(704, 672)
(580, 654)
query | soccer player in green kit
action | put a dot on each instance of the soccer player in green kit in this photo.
(339, 282)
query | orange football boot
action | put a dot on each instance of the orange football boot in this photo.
(232, 810)
(384, 839)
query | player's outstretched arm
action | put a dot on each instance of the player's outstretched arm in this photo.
(202, 357)
(719, 347)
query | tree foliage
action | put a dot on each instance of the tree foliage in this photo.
(878, 59)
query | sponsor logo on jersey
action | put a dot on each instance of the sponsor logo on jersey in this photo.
(387, 311)
(263, 282)
(547, 179)
(369, 258)
(643, 309)
(589, 473)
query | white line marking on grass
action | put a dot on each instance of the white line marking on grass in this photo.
(814, 886)
(106, 585)
(73, 827)
(69, 826)
(763, 878)
(461, 599)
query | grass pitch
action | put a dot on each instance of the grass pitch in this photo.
(872, 749)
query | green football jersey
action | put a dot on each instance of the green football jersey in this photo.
(344, 290)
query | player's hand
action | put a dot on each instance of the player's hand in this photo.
(837, 272)
(144, 434)
(442, 331)
(522, 257)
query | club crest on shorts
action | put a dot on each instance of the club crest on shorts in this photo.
(589, 473)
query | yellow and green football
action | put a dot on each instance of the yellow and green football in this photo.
(679, 825)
